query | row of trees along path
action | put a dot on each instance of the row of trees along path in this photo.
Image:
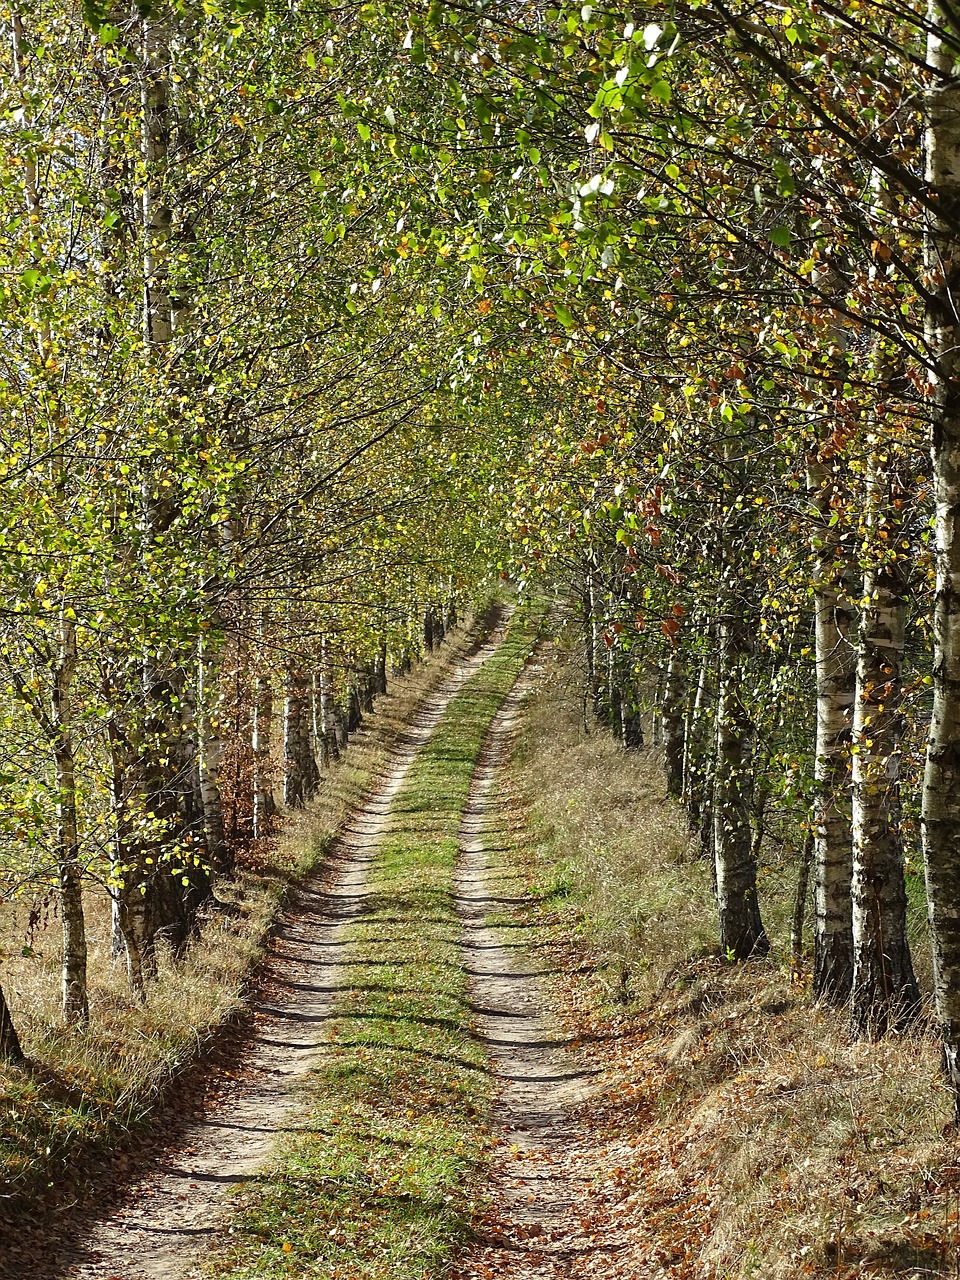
(310, 318)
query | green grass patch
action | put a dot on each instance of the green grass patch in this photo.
(382, 1177)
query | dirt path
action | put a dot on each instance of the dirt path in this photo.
(166, 1219)
(535, 1229)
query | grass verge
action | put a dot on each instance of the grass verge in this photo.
(381, 1178)
(85, 1093)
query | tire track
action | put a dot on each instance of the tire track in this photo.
(534, 1229)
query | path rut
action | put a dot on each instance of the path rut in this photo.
(534, 1229)
(165, 1219)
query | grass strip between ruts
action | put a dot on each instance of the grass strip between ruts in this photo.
(382, 1175)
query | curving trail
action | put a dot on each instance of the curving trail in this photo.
(165, 1219)
(535, 1228)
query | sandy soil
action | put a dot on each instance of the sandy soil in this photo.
(165, 1219)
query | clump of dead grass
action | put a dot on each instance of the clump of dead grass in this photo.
(610, 841)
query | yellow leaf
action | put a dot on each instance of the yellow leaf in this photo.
(287, 1247)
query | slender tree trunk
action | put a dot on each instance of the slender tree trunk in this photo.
(367, 691)
(157, 212)
(59, 727)
(657, 729)
(210, 756)
(168, 787)
(293, 779)
(741, 930)
(695, 744)
(834, 622)
(941, 783)
(671, 721)
(308, 760)
(594, 643)
(761, 798)
(75, 1007)
(340, 726)
(354, 705)
(319, 733)
(380, 672)
(614, 699)
(588, 644)
(130, 881)
(264, 804)
(800, 903)
(885, 991)
(328, 719)
(10, 1050)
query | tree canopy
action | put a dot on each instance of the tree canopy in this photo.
(310, 320)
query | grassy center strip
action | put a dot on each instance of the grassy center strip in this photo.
(381, 1177)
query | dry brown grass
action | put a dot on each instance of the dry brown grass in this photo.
(85, 1089)
(763, 1143)
(609, 840)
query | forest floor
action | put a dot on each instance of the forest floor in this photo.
(642, 1110)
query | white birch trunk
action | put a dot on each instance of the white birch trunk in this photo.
(836, 665)
(316, 709)
(941, 783)
(695, 740)
(671, 721)
(59, 729)
(884, 990)
(157, 213)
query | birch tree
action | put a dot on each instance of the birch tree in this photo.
(941, 782)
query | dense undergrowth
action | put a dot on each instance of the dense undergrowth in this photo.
(382, 1177)
(84, 1092)
(752, 1137)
